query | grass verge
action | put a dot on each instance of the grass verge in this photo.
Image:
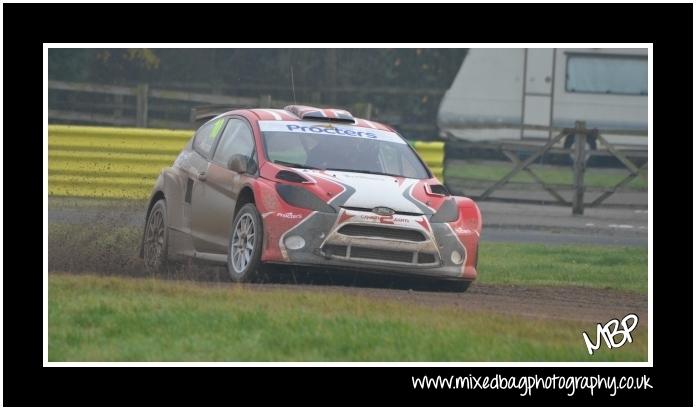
(119, 319)
(610, 267)
(553, 175)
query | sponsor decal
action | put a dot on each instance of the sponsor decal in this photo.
(462, 231)
(217, 126)
(288, 215)
(317, 129)
(308, 127)
(385, 219)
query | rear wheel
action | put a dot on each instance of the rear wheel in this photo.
(244, 252)
(156, 238)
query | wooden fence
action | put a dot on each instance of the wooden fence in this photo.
(533, 151)
(151, 106)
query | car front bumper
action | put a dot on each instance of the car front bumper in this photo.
(362, 240)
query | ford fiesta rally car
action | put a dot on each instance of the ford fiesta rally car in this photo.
(309, 187)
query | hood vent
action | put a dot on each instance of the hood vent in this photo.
(437, 190)
(291, 177)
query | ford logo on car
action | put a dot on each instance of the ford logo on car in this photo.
(383, 210)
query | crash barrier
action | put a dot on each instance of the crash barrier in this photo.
(433, 153)
(523, 154)
(110, 162)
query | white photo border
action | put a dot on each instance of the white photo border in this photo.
(46, 363)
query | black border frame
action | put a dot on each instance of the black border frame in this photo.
(27, 382)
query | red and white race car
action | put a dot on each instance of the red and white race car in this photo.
(311, 187)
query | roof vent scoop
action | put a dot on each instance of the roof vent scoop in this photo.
(321, 114)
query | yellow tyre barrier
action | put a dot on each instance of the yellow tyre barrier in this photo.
(109, 162)
(433, 153)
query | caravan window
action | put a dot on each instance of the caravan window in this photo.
(607, 74)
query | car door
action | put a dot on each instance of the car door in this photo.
(196, 166)
(214, 197)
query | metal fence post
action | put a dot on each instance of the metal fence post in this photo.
(142, 92)
(579, 168)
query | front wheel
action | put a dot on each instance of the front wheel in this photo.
(244, 252)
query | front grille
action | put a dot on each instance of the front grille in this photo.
(355, 208)
(384, 255)
(335, 250)
(426, 258)
(381, 254)
(382, 232)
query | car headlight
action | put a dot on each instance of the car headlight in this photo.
(302, 198)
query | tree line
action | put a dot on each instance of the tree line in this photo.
(330, 75)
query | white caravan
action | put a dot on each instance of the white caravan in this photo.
(511, 88)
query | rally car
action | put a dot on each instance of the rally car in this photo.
(309, 187)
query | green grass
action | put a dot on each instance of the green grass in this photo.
(116, 319)
(611, 267)
(554, 175)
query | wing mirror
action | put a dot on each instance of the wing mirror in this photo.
(238, 163)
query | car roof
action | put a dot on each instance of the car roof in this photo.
(276, 114)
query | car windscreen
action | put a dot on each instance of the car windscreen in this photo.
(339, 147)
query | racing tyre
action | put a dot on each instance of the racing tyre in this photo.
(244, 251)
(156, 238)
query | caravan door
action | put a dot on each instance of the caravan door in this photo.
(537, 91)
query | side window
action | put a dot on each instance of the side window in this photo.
(236, 139)
(606, 74)
(205, 137)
